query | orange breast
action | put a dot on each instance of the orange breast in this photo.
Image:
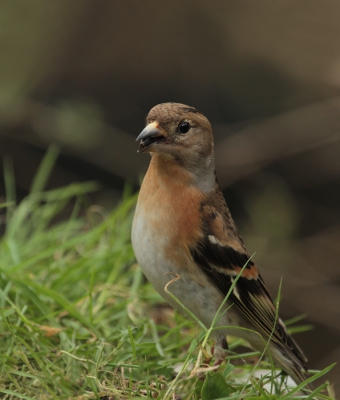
(172, 206)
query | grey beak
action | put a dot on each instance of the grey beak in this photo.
(149, 131)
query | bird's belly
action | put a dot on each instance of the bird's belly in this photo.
(193, 290)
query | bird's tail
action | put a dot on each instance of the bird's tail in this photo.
(292, 360)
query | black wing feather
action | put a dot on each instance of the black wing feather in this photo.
(252, 299)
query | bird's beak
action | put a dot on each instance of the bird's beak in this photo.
(151, 134)
(151, 130)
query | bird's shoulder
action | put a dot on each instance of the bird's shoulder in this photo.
(221, 243)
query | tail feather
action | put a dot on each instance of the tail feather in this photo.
(292, 360)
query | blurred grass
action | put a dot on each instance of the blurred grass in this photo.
(78, 320)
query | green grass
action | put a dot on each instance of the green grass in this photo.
(79, 321)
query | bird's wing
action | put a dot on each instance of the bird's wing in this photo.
(221, 255)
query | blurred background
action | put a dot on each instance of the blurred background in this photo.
(84, 74)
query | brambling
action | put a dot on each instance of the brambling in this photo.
(183, 228)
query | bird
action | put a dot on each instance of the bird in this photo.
(185, 239)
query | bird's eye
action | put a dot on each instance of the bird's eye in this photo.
(184, 127)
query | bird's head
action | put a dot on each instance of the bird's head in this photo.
(177, 131)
